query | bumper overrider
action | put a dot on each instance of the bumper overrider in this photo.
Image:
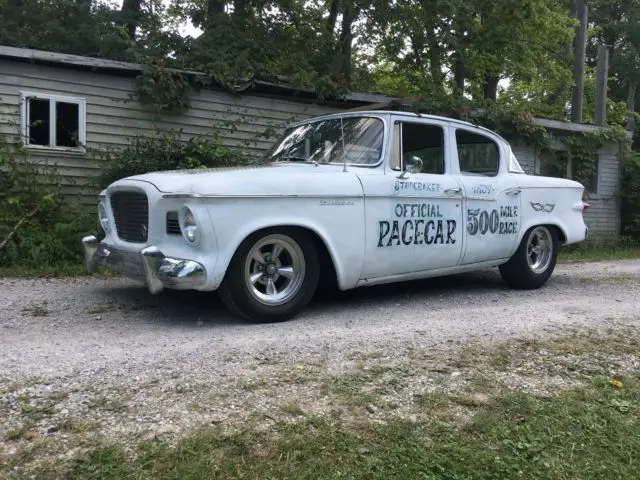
(148, 265)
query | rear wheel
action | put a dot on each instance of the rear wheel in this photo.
(272, 276)
(534, 261)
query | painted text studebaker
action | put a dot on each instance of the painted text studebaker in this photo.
(351, 199)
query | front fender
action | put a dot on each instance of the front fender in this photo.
(339, 226)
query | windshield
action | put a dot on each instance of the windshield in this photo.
(354, 140)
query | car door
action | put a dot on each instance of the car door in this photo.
(414, 210)
(491, 196)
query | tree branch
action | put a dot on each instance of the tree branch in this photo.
(18, 225)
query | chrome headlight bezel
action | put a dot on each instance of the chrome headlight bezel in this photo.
(103, 217)
(189, 226)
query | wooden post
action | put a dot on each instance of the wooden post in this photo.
(601, 85)
(578, 69)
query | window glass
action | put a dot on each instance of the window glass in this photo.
(419, 140)
(39, 129)
(67, 124)
(354, 140)
(39, 121)
(477, 154)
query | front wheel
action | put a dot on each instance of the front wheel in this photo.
(534, 261)
(272, 276)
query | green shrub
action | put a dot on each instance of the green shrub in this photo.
(38, 229)
(163, 150)
(41, 232)
(630, 198)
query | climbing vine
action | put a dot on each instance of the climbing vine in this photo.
(162, 89)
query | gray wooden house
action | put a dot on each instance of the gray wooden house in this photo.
(76, 103)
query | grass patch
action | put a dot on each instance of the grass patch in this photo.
(107, 404)
(586, 433)
(48, 271)
(62, 270)
(76, 425)
(253, 385)
(37, 310)
(594, 251)
(22, 433)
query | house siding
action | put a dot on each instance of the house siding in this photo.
(603, 217)
(113, 118)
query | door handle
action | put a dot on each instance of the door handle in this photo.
(452, 190)
(513, 191)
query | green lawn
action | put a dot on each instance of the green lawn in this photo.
(587, 433)
(569, 432)
(592, 252)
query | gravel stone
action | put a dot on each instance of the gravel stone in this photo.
(170, 363)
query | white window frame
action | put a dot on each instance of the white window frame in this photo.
(82, 120)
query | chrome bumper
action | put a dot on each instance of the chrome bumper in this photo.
(148, 265)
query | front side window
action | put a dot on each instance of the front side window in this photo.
(411, 139)
(53, 121)
(477, 154)
(354, 140)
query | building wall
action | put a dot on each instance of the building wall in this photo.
(603, 217)
(112, 117)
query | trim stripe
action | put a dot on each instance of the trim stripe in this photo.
(257, 195)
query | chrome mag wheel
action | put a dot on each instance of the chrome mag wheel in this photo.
(274, 269)
(539, 249)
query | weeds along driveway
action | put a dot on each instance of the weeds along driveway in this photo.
(102, 355)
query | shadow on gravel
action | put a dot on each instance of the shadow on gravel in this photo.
(183, 308)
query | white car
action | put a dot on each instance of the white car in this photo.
(353, 199)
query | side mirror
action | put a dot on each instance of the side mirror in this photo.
(412, 165)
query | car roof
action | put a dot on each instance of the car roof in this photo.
(348, 113)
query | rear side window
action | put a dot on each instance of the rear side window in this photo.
(477, 154)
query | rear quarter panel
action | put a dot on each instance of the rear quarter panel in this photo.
(553, 201)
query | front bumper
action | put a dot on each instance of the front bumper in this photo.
(149, 265)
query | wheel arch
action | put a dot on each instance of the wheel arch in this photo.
(554, 224)
(331, 271)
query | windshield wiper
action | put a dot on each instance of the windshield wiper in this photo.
(292, 158)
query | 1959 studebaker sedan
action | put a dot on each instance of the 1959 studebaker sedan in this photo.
(356, 198)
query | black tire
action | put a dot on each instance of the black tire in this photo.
(243, 300)
(519, 273)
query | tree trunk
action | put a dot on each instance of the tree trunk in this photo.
(417, 46)
(566, 55)
(349, 14)
(490, 86)
(631, 95)
(631, 104)
(578, 69)
(215, 6)
(131, 13)
(435, 60)
(239, 8)
(459, 75)
(333, 15)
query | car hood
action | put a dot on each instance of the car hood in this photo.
(270, 179)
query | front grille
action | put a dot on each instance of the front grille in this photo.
(131, 214)
(173, 224)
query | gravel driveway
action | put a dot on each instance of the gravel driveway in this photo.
(103, 349)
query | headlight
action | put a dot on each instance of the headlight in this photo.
(103, 217)
(188, 225)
